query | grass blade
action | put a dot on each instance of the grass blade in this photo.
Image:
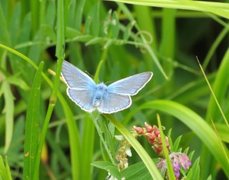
(87, 145)
(171, 175)
(34, 5)
(73, 138)
(214, 46)
(79, 13)
(32, 130)
(41, 142)
(222, 129)
(4, 170)
(4, 33)
(138, 148)
(9, 114)
(220, 9)
(218, 91)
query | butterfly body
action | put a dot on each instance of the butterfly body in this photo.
(90, 96)
(99, 95)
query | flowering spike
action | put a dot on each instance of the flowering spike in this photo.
(123, 152)
(153, 136)
(179, 160)
(149, 128)
(139, 130)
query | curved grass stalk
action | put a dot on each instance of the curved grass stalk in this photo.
(220, 9)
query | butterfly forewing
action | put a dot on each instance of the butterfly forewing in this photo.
(130, 85)
(75, 78)
(114, 102)
(82, 98)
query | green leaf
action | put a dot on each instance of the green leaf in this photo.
(176, 144)
(214, 46)
(14, 154)
(219, 88)
(4, 33)
(9, 113)
(220, 9)
(109, 167)
(136, 171)
(167, 46)
(194, 172)
(32, 125)
(95, 40)
(14, 23)
(60, 29)
(35, 6)
(170, 174)
(79, 13)
(101, 128)
(73, 138)
(17, 81)
(4, 170)
(87, 145)
(222, 129)
(94, 15)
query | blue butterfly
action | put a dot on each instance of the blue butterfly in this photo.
(90, 96)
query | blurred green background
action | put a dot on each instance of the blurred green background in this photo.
(160, 36)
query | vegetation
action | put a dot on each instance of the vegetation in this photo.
(44, 135)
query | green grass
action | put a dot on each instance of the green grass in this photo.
(164, 37)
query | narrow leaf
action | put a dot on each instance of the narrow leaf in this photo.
(138, 148)
(4, 170)
(32, 125)
(9, 114)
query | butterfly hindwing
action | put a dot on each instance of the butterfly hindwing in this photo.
(130, 85)
(83, 98)
(114, 102)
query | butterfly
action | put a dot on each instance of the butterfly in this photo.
(89, 96)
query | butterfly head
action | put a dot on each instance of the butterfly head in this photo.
(99, 94)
